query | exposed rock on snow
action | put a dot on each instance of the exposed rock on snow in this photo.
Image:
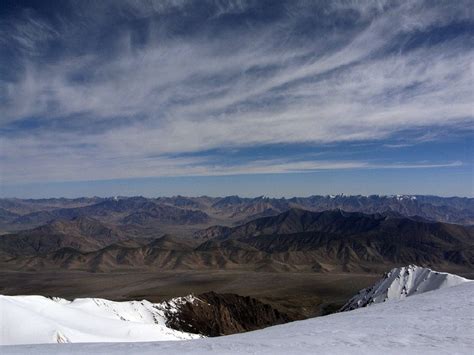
(403, 282)
(37, 319)
(223, 314)
(438, 322)
(59, 320)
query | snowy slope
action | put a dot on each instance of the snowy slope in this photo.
(438, 322)
(403, 282)
(37, 319)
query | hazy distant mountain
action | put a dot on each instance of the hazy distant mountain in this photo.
(296, 240)
(299, 221)
(452, 210)
(81, 234)
(166, 214)
(134, 210)
(353, 241)
(25, 206)
(272, 235)
(6, 215)
(186, 202)
(178, 211)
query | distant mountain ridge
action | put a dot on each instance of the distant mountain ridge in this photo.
(297, 220)
(295, 240)
(173, 212)
(80, 233)
(115, 211)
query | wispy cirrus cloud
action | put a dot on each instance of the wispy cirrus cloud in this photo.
(241, 74)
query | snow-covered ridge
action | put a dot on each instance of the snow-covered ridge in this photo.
(438, 322)
(38, 319)
(403, 282)
(395, 197)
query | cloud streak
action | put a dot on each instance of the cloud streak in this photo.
(301, 78)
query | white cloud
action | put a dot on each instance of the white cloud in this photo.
(248, 90)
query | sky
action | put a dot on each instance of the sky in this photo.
(276, 98)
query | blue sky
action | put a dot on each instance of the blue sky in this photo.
(276, 98)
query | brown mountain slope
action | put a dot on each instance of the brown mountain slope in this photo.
(134, 210)
(296, 221)
(150, 217)
(165, 215)
(296, 240)
(81, 234)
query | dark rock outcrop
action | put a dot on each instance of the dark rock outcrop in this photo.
(213, 314)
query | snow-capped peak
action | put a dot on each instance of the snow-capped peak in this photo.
(403, 282)
(405, 197)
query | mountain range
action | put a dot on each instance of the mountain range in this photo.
(295, 240)
(186, 215)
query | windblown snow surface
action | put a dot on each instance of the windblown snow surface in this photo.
(437, 322)
(403, 282)
(37, 319)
